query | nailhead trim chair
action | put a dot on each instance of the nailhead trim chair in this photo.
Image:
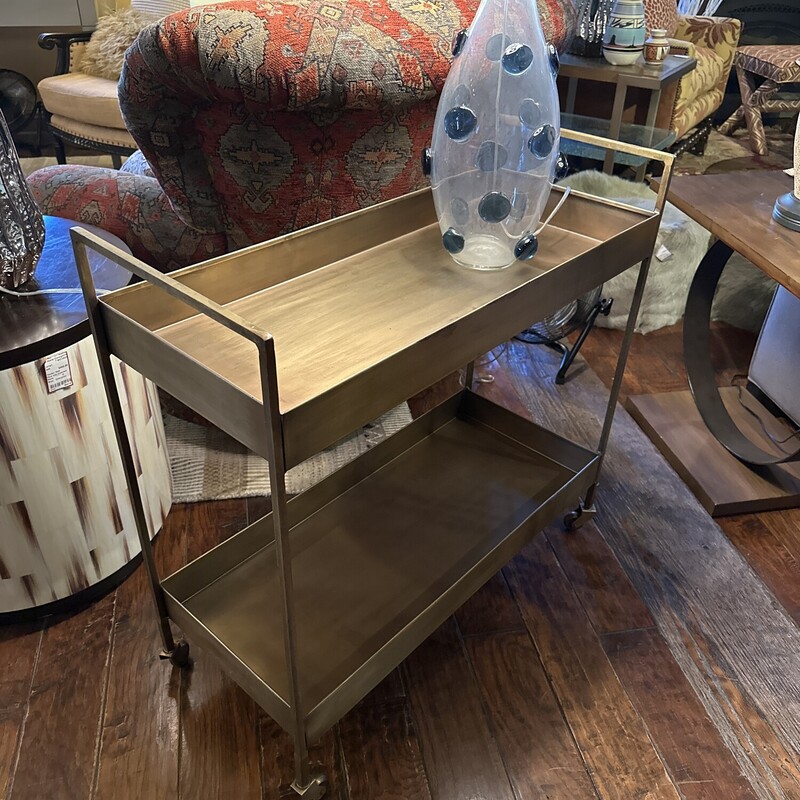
(84, 110)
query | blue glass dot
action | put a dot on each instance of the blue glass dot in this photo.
(459, 40)
(460, 210)
(517, 58)
(525, 249)
(494, 207)
(555, 61)
(495, 47)
(460, 122)
(461, 95)
(427, 161)
(530, 114)
(453, 241)
(561, 168)
(542, 141)
(519, 202)
(491, 156)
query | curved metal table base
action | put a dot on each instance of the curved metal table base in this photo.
(697, 357)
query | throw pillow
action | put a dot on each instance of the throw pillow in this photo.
(114, 34)
(661, 14)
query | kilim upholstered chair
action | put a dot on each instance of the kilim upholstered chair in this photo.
(260, 118)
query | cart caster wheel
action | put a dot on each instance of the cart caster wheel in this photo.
(314, 790)
(578, 518)
(179, 657)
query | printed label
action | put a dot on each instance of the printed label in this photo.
(662, 254)
(57, 371)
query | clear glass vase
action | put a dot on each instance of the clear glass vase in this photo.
(496, 137)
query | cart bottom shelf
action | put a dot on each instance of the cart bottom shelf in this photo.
(382, 552)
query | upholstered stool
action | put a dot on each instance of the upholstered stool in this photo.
(777, 64)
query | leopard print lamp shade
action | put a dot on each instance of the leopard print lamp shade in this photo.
(661, 14)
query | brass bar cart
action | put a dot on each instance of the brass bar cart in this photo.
(313, 605)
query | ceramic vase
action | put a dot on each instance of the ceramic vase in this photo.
(496, 134)
(21, 223)
(656, 47)
(623, 41)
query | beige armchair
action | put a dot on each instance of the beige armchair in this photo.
(84, 110)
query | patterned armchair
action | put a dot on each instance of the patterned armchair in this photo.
(712, 41)
(688, 109)
(259, 117)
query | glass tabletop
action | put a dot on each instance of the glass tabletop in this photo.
(643, 135)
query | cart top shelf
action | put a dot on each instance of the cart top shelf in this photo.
(364, 311)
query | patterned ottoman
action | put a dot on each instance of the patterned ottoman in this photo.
(776, 64)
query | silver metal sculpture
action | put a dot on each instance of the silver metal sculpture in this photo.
(21, 224)
(592, 20)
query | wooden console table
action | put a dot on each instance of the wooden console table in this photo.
(737, 209)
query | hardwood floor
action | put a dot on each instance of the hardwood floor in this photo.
(648, 655)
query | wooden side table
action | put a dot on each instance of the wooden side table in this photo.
(67, 526)
(639, 75)
(738, 211)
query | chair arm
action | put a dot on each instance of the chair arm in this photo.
(679, 47)
(719, 34)
(107, 198)
(64, 42)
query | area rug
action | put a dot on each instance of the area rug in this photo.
(744, 292)
(733, 153)
(207, 464)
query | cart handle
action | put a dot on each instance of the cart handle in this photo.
(667, 159)
(81, 239)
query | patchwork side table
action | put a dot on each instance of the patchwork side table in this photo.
(778, 65)
(68, 533)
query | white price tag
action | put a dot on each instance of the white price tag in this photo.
(57, 371)
(662, 254)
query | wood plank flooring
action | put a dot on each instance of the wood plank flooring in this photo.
(651, 655)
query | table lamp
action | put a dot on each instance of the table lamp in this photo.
(787, 207)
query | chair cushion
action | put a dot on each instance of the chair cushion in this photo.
(778, 62)
(84, 98)
(93, 133)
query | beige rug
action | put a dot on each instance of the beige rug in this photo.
(207, 464)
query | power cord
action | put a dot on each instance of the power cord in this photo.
(555, 211)
(777, 442)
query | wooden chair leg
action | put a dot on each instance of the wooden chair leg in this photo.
(58, 146)
(116, 160)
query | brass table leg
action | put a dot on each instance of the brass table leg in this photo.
(576, 518)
